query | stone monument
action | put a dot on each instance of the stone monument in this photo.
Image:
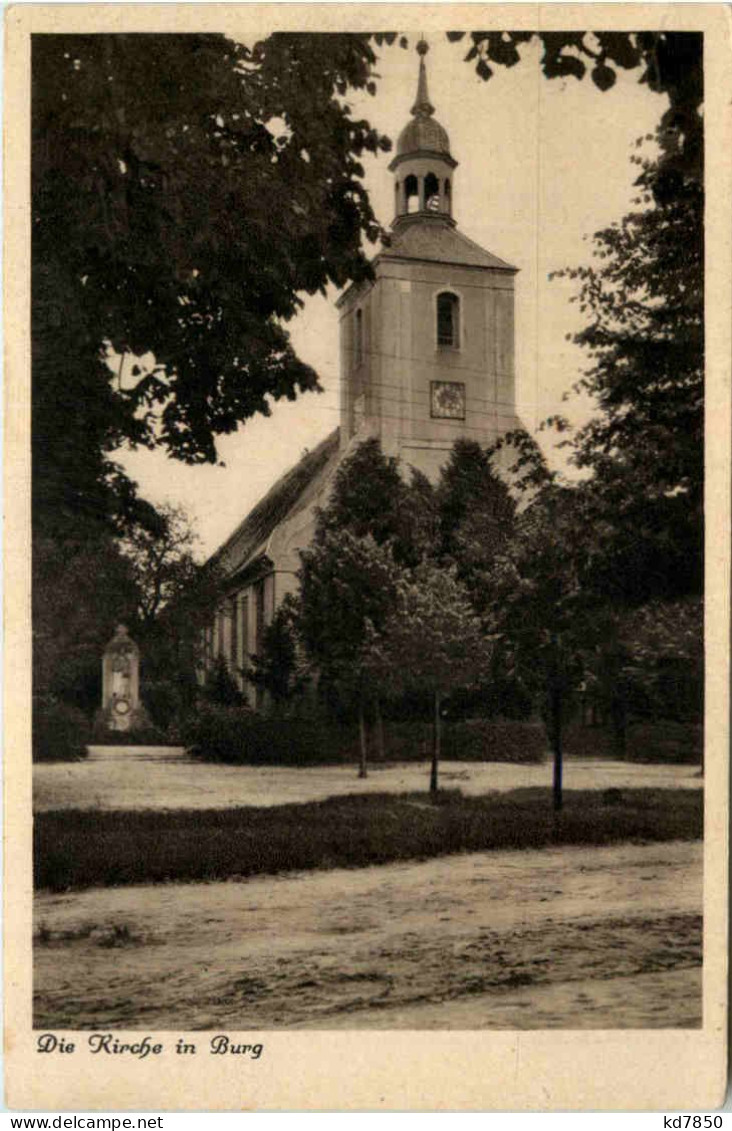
(121, 682)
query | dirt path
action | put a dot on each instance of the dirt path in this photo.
(163, 778)
(602, 937)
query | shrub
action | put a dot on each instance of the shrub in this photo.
(654, 741)
(220, 687)
(60, 732)
(238, 735)
(471, 740)
(665, 741)
(167, 701)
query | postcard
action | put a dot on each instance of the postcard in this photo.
(367, 557)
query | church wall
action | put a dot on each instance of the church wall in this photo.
(225, 632)
(346, 337)
(285, 583)
(504, 346)
(268, 603)
(240, 656)
(410, 359)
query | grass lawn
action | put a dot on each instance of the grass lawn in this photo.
(84, 848)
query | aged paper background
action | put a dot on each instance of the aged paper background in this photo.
(559, 1069)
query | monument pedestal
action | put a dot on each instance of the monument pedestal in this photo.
(121, 709)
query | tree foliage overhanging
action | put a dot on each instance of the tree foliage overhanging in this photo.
(186, 190)
(643, 300)
(670, 63)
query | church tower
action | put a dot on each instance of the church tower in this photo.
(426, 358)
(427, 346)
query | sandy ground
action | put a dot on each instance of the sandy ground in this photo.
(566, 938)
(163, 778)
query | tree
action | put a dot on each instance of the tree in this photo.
(279, 669)
(171, 644)
(541, 609)
(220, 686)
(81, 591)
(644, 297)
(580, 559)
(565, 606)
(186, 190)
(660, 655)
(375, 526)
(370, 497)
(632, 533)
(161, 561)
(432, 641)
(346, 584)
(176, 597)
(476, 515)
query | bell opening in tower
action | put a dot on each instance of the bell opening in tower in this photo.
(411, 194)
(431, 193)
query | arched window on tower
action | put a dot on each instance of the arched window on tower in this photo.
(448, 320)
(431, 193)
(448, 202)
(411, 194)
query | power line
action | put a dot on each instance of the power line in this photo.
(382, 354)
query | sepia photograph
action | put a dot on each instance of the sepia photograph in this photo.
(367, 476)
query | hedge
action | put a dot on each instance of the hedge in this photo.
(239, 736)
(60, 732)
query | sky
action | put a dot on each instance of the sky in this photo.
(542, 165)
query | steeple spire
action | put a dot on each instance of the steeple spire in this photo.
(423, 163)
(422, 108)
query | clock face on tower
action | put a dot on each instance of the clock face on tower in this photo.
(447, 400)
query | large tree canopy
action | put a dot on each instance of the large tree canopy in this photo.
(186, 191)
(644, 300)
(643, 297)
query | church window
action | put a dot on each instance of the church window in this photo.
(448, 320)
(411, 193)
(431, 193)
(358, 350)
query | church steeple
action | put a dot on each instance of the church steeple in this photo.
(422, 106)
(423, 162)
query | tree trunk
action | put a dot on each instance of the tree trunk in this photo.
(435, 745)
(362, 771)
(555, 718)
(619, 722)
(380, 732)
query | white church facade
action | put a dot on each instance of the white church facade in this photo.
(426, 357)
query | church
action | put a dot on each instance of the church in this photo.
(426, 357)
